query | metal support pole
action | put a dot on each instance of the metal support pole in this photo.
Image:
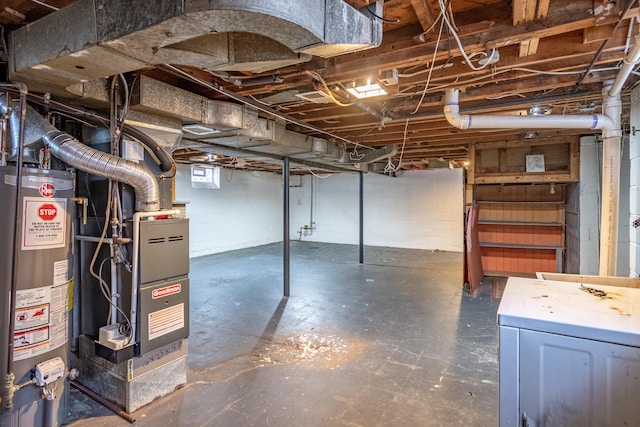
(361, 217)
(285, 238)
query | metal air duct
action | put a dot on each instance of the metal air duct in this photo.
(117, 36)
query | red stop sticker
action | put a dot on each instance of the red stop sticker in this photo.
(47, 212)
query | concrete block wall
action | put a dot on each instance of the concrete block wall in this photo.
(589, 208)
(572, 229)
(245, 211)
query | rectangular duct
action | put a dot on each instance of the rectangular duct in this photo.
(92, 39)
(155, 97)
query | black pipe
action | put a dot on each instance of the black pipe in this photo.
(361, 217)
(16, 229)
(311, 222)
(165, 160)
(285, 240)
(116, 410)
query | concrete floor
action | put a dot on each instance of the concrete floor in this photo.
(393, 342)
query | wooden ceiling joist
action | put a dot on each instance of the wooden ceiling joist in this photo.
(426, 15)
(529, 10)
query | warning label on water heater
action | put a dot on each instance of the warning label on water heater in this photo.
(44, 223)
(40, 321)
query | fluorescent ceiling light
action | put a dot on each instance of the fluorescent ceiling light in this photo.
(367, 91)
(199, 130)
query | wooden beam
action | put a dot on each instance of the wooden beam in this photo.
(526, 142)
(523, 11)
(560, 20)
(11, 15)
(604, 10)
(529, 47)
(574, 161)
(357, 4)
(528, 10)
(595, 34)
(512, 178)
(543, 9)
(424, 13)
(478, 36)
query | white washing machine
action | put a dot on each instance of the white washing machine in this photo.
(569, 354)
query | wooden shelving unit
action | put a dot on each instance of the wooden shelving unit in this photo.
(521, 229)
(504, 162)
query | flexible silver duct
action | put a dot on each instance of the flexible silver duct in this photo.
(73, 152)
(87, 159)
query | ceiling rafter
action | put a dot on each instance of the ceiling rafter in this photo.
(425, 12)
(541, 35)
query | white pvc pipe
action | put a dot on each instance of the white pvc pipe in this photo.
(630, 61)
(136, 260)
(114, 286)
(609, 123)
(488, 121)
(611, 165)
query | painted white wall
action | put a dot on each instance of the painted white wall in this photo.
(417, 210)
(590, 199)
(246, 211)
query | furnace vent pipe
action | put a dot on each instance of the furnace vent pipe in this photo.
(76, 154)
(630, 61)
(73, 152)
(166, 163)
(552, 121)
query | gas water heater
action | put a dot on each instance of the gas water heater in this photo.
(36, 285)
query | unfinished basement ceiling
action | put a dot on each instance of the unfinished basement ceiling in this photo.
(550, 54)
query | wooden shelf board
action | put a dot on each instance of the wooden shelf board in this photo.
(518, 246)
(551, 202)
(499, 273)
(528, 223)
